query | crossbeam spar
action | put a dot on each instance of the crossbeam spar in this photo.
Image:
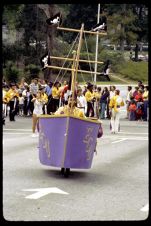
(84, 31)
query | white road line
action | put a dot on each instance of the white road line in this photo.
(122, 132)
(17, 129)
(127, 137)
(137, 138)
(18, 133)
(145, 208)
(117, 141)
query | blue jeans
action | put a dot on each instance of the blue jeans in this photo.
(103, 107)
(145, 116)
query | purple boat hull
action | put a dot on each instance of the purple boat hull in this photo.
(67, 142)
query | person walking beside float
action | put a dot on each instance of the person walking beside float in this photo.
(116, 102)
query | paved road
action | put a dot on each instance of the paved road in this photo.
(115, 188)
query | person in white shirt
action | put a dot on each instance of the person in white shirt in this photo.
(21, 104)
(34, 86)
(112, 91)
(38, 105)
(128, 99)
(81, 101)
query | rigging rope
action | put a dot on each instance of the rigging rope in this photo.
(67, 57)
(82, 74)
(65, 71)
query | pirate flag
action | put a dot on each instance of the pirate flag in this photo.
(101, 26)
(56, 19)
(45, 60)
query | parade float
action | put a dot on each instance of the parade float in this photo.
(66, 141)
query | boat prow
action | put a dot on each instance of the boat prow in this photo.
(67, 141)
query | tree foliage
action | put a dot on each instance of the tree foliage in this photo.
(29, 37)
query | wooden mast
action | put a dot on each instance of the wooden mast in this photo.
(75, 66)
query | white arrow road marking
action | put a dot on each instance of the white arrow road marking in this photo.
(119, 140)
(43, 191)
(145, 208)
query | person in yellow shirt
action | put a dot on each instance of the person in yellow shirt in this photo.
(55, 96)
(90, 98)
(116, 102)
(146, 103)
(44, 98)
(11, 98)
(70, 109)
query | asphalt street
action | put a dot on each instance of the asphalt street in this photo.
(115, 188)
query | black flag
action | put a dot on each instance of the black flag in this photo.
(56, 19)
(45, 60)
(101, 26)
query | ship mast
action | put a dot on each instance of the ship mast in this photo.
(75, 66)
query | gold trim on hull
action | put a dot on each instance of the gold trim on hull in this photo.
(94, 120)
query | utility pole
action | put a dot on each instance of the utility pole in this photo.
(96, 50)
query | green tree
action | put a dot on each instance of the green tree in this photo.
(78, 14)
(141, 12)
(121, 24)
(11, 72)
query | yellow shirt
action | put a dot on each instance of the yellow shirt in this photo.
(116, 102)
(145, 95)
(67, 111)
(10, 95)
(97, 95)
(89, 96)
(45, 98)
(55, 92)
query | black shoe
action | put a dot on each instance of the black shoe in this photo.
(67, 172)
(62, 171)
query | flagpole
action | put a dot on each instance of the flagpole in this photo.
(96, 50)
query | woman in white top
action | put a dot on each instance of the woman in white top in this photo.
(81, 101)
(38, 105)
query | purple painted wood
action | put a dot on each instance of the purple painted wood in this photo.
(67, 142)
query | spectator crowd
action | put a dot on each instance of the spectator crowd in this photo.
(94, 101)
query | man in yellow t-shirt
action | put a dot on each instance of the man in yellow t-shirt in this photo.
(90, 98)
(116, 102)
(56, 95)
